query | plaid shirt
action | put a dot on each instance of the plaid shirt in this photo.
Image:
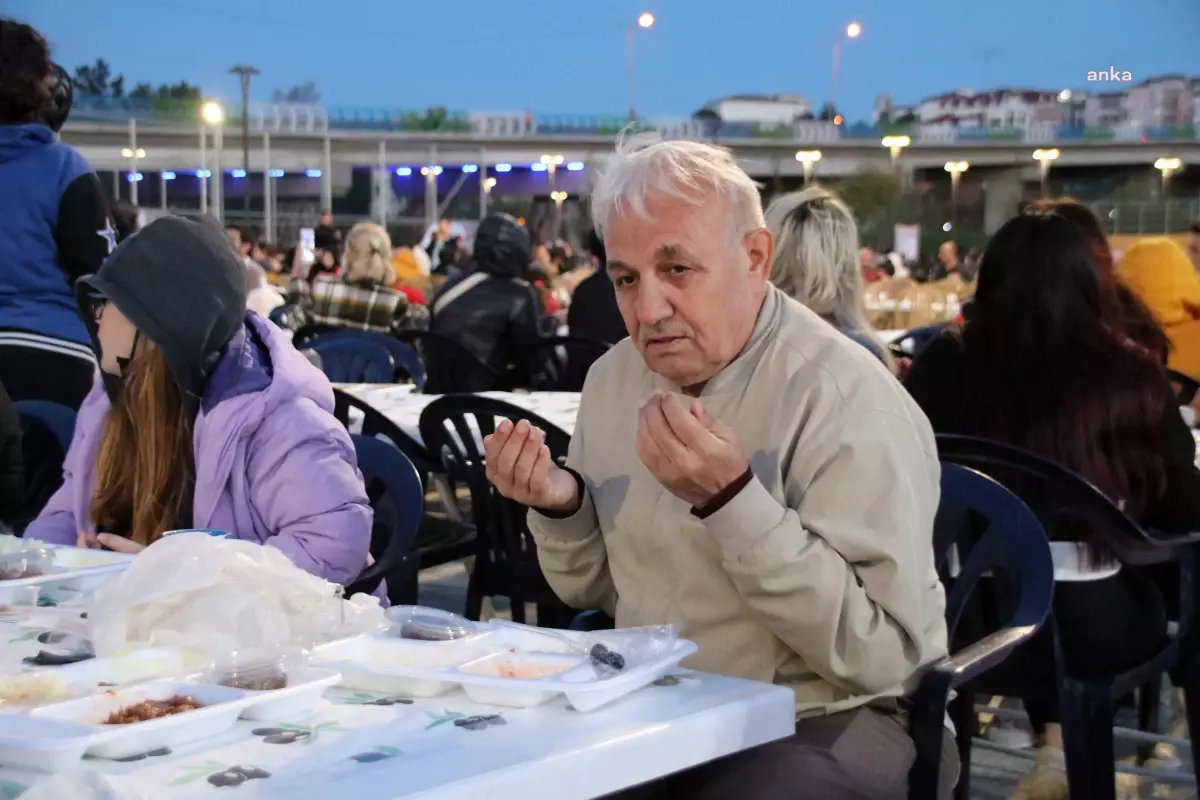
(343, 305)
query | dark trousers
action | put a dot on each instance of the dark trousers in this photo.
(28, 373)
(1104, 627)
(863, 754)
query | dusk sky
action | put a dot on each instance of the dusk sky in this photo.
(569, 55)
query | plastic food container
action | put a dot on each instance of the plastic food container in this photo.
(429, 624)
(41, 744)
(400, 666)
(260, 669)
(18, 599)
(219, 710)
(139, 666)
(305, 687)
(30, 563)
(522, 679)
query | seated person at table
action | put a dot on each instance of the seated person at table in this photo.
(816, 261)
(204, 416)
(741, 469)
(491, 310)
(362, 299)
(1041, 365)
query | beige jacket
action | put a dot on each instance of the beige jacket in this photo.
(819, 575)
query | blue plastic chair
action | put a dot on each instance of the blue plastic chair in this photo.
(58, 419)
(354, 360)
(1012, 544)
(398, 499)
(404, 355)
(910, 343)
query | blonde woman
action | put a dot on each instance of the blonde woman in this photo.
(362, 298)
(816, 261)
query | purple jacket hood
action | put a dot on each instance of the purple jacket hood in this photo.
(272, 463)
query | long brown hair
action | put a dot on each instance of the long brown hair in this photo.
(144, 467)
(1123, 310)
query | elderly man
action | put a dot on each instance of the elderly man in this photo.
(741, 469)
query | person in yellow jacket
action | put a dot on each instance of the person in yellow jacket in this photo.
(1158, 271)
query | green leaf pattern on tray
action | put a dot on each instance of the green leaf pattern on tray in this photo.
(441, 719)
(194, 772)
(27, 634)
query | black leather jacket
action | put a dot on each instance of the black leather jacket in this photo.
(491, 310)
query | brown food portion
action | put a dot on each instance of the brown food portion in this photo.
(256, 681)
(153, 709)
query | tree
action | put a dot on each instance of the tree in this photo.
(97, 79)
(179, 91)
(300, 93)
(827, 112)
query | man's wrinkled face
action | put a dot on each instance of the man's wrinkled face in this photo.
(689, 284)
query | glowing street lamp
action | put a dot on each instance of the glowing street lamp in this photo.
(956, 169)
(489, 184)
(853, 31)
(645, 21)
(212, 115)
(807, 158)
(1168, 167)
(895, 144)
(1045, 159)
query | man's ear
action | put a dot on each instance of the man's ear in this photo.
(760, 247)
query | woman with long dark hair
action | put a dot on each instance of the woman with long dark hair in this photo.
(1127, 312)
(1044, 364)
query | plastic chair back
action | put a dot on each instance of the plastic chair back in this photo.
(58, 419)
(354, 361)
(561, 363)
(404, 356)
(988, 531)
(450, 367)
(398, 500)
(506, 564)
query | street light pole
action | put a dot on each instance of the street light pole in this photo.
(644, 20)
(1045, 158)
(1168, 167)
(212, 114)
(245, 72)
(807, 158)
(956, 169)
(853, 31)
(203, 169)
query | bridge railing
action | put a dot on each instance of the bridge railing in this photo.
(314, 118)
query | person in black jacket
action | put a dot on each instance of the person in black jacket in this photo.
(490, 311)
(593, 313)
(1042, 364)
(54, 228)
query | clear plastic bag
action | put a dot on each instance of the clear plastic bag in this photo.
(221, 596)
(630, 647)
(429, 624)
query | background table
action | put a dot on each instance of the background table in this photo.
(367, 745)
(403, 406)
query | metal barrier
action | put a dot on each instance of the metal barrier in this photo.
(1149, 218)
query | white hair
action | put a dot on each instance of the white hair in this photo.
(645, 165)
(816, 257)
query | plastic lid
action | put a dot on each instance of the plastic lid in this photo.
(430, 624)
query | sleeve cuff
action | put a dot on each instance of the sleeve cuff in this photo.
(575, 526)
(745, 519)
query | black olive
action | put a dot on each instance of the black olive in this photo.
(226, 778)
(602, 656)
(250, 773)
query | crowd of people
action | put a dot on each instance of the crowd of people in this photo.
(750, 461)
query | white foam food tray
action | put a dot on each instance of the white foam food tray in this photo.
(220, 707)
(44, 745)
(412, 667)
(304, 689)
(482, 666)
(77, 568)
(137, 666)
